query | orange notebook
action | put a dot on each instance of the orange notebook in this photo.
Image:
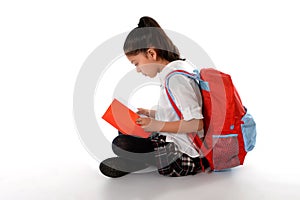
(123, 119)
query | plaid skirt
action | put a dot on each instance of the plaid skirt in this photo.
(171, 162)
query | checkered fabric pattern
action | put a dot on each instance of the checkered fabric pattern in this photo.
(171, 162)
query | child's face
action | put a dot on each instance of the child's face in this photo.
(147, 64)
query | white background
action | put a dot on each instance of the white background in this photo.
(43, 45)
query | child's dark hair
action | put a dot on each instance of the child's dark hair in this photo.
(147, 35)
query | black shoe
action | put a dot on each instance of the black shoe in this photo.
(118, 167)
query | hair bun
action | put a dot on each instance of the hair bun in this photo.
(147, 22)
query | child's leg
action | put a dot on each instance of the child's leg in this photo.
(171, 162)
(116, 167)
(134, 154)
(134, 148)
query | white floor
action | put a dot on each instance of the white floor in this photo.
(66, 177)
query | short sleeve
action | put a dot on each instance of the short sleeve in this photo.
(187, 96)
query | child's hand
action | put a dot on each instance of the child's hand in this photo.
(149, 124)
(142, 111)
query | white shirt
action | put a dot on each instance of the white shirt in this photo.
(187, 98)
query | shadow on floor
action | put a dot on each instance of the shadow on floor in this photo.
(151, 185)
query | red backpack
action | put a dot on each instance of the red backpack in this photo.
(229, 130)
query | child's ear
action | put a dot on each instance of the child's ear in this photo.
(152, 53)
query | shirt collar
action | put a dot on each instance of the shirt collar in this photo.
(167, 69)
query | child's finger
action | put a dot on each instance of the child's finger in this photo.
(140, 111)
(143, 111)
(138, 121)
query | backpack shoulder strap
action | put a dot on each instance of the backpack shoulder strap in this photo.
(171, 98)
(203, 85)
(197, 142)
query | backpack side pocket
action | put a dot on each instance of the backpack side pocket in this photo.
(249, 131)
(225, 151)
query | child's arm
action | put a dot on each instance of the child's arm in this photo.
(182, 126)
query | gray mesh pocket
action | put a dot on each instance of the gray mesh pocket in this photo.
(225, 151)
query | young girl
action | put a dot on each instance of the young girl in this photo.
(169, 148)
